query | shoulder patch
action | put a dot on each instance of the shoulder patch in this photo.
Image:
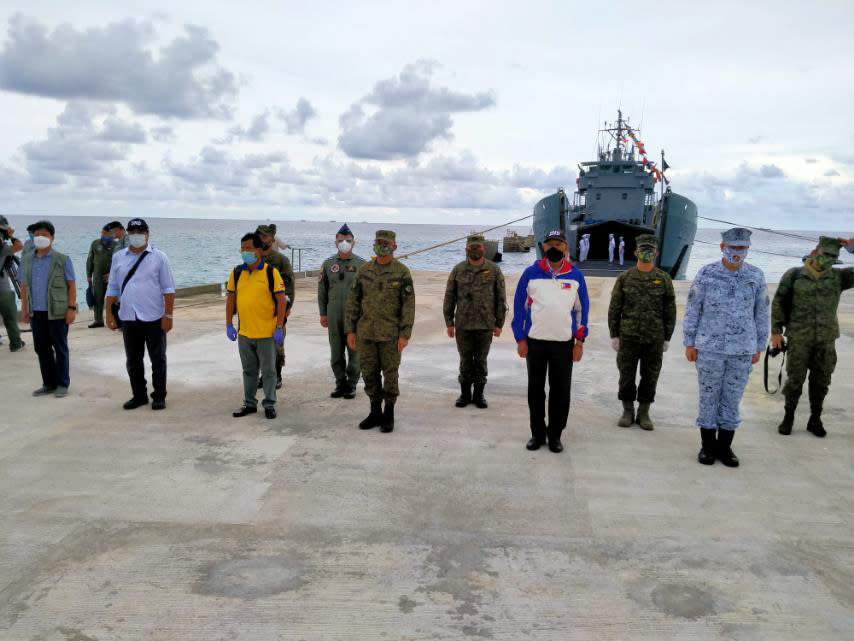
(335, 268)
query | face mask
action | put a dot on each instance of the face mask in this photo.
(248, 257)
(474, 253)
(383, 250)
(107, 240)
(136, 240)
(344, 246)
(645, 255)
(41, 242)
(823, 262)
(554, 254)
(735, 256)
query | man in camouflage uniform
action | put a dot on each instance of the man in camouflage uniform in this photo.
(379, 319)
(641, 320)
(474, 309)
(98, 264)
(805, 307)
(333, 287)
(278, 260)
(725, 329)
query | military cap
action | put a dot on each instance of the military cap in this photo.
(137, 223)
(385, 234)
(829, 246)
(106, 227)
(267, 230)
(115, 224)
(738, 236)
(345, 230)
(647, 240)
(475, 239)
(4, 223)
(555, 234)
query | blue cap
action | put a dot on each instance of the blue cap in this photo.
(344, 231)
(738, 236)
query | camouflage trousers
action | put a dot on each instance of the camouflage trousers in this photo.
(722, 380)
(473, 346)
(817, 357)
(380, 361)
(649, 356)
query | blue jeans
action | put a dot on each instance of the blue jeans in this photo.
(50, 339)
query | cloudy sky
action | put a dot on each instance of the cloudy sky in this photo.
(461, 111)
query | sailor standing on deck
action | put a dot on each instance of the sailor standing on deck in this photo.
(622, 250)
(585, 248)
(725, 329)
(611, 246)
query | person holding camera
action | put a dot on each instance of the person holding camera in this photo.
(142, 284)
(49, 305)
(805, 308)
(9, 246)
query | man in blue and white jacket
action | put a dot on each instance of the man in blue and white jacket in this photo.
(550, 324)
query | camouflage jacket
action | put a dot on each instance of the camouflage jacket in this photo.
(805, 305)
(333, 285)
(381, 305)
(643, 306)
(475, 297)
(281, 262)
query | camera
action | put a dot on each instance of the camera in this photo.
(776, 351)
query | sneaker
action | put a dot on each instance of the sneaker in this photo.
(44, 391)
(61, 392)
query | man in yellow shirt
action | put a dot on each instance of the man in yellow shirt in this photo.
(256, 291)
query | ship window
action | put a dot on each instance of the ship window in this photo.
(598, 195)
(625, 196)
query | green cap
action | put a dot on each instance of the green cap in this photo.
(267, 230)
(385, 234)
(475, 239)
(647, 240)
(829, 246)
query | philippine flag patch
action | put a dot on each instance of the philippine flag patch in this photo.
(566, 285)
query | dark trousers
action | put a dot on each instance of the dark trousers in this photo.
(138, 336)
(552, 358)
(473, 346)
(649, 356)
(50, 338)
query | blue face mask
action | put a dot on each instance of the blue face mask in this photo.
(735, 256)
(248, 257)
(107, 240)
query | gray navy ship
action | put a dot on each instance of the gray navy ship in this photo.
(616, 195)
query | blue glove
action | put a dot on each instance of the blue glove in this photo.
(279, 336)
(231, 333)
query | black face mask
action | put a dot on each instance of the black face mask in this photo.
(554, 254)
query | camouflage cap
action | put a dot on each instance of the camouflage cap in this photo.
(647, 240)
(475, 239)
(267, 230)
(829, 246)
(738, 236)
(385, 234)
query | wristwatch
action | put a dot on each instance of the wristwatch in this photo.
(74, 307)
(169, 316)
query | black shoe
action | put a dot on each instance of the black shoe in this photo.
(350, 392)
(725, 454)
(279, 383)
(706, 455)
(478, 398)
(465, 395)
(270, 412)
(133, 403)
(534, 444)
(96, 324)
(374, 418)
(555, 446)
(158, 404)
(387, 423)
(244, 411)
(815, 425)
(339, 391)
(785, 426)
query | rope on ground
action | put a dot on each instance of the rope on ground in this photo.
(456, 240)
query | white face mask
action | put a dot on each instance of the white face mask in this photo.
(41, 242)
(344, 246)
(136, 240)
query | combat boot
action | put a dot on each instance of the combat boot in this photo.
(725, 453)
(706, 455)
(340, 390)
(785, 426)
(478, 398)
(387, 419)
(643, 418)
(374, 418)
(465, 395)
(814, 423)
(628, 416)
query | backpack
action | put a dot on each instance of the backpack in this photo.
(270, 283)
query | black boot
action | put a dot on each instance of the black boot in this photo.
(725, 453)
(387, 421)
(374, 418)
(465, 395)
(707, 451)
(478, 398)
(785, 426)
(814, 424)
(350, 391)
(340, 390)
(628, 416)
